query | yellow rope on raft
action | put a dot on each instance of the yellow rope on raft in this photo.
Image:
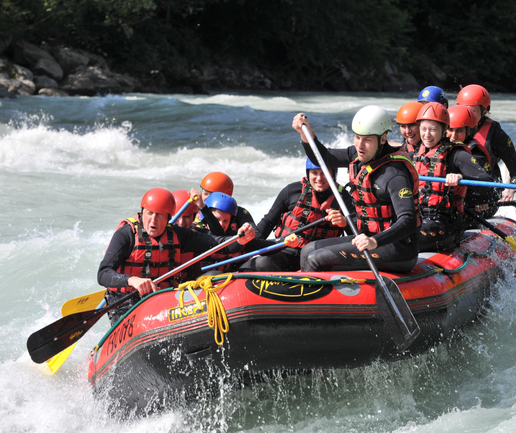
(217, 318)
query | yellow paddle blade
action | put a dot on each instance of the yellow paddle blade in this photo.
(82, 303)
(512, 242)
(56, 361)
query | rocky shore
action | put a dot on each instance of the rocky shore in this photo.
(28, 69)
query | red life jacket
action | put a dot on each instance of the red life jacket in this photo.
(409, 148)
(484, 135)
(435, 194)
(151, 257)
(307, 210)
(373, 216)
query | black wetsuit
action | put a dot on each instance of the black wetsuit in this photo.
(397, 246)
(483, 195)
(500, 147)
(288, 258)
(443, 229)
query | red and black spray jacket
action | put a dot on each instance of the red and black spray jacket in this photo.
(152, 257)
(308, 210)
(484, 136)
(436, 195)
(374, 216)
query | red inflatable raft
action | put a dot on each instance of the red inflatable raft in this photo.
(165, 346)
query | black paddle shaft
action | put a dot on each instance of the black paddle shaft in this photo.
(485, 223)
(307, 227)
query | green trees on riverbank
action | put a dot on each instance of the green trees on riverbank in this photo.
(311, 43)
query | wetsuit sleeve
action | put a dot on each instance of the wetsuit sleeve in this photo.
(191, 240)
(333, 158)
(460, 161)
(212, 222)
(244, 216)
(396, 178)
(279, 207)
(118, 251)
(503, 148)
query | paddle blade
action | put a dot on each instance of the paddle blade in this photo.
(56, 337)
(512, 242)
(57, 361)
(82, 303)
(399, 320)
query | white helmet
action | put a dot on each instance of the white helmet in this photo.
(371, 120)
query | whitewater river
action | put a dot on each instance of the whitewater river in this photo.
(72, 168)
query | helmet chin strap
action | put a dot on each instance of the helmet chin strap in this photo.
(380, 147)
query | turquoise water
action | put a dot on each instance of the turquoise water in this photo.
(72, 168)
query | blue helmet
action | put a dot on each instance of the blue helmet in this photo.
(223, 202)
(433, 94)
(310, 165)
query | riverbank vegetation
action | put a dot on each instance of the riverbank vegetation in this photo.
(301, 44)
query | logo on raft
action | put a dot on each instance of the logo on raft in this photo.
(187, 311)
(289, 292)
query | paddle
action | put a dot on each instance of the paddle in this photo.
(82, 303)
(183, 208)
(501, 203)
(470, 182)
(276, 246)
(400, 321)
(57, 361)
(511, 240)
(56, 337)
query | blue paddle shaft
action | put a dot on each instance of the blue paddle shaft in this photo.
(244, 256)
(180, 212)
(470, 182)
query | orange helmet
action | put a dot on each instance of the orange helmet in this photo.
(218, 182)
(434, 111)
(181, 197)
(460, 115)
(408, 112)
(474, 95)
(159, 200)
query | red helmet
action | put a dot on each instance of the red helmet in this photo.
(408, 112)
(474, 95)
(181, 197)
(434, 111)
(460, 115)
(159, 200)
(218, 182)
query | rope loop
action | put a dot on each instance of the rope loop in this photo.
(217, 318)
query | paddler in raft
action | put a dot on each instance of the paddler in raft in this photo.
(384, 186)
(145, 247)
(299, 204)
(217, 181)
(463, 123)
(406, 119)
(186, 219)
(490, 134)
(442, 204)
(433, 94)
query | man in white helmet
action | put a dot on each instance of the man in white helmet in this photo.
(385, 194)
